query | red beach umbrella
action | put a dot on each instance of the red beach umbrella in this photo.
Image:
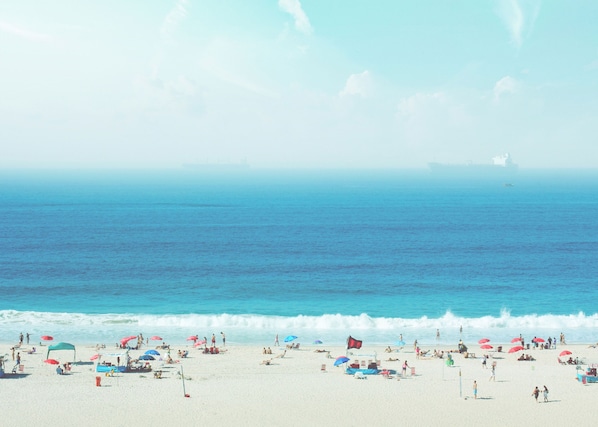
(125, 340)
(156, 338)
(52, 362)
(483, 341)
(538, 340)
(47, 338)
(515, 349)
(486, 347)
(192, 338)
(565, 353)
(94, 357)
(516, 339)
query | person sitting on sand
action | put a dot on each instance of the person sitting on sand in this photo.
(266, 362)
(390, 359)
(388, 350)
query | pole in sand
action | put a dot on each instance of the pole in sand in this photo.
(460, 384)
(183, 379)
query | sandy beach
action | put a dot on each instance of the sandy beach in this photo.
(235, 387)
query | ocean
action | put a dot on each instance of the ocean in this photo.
(92, 256)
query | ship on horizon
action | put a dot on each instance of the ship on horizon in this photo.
(501, 164)
(220, 166)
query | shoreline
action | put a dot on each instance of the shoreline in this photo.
(235, 387)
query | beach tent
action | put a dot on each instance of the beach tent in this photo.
(62, 346)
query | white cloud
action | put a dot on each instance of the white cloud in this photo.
(505, 85)
(169, 25)
(293, 7)
(174, 18)
(23, 33)
(519, 17)
(358, 84)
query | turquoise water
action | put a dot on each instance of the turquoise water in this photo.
(319, 254)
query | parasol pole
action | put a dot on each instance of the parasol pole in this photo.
(460, 384)
(183, 379)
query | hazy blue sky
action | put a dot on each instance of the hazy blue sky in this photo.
(298, 83)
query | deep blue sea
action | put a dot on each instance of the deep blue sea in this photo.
(91, 256)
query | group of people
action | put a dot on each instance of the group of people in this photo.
(526, 357)
(536, 393)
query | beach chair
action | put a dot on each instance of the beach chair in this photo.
(323, 368)
(561, 362)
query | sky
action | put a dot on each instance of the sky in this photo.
(297, 83)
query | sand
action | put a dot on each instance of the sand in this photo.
(234, 388)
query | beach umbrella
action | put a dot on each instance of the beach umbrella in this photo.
(340, 360)
(538, 340)
(156, 338)
(515, 349)
(192, 338)
(565, 353)
(47, 337)
(146, 357)
(152, 352)
(483, 341)
(290, 338)
(52, 362)
(94, 357)
(198, 343)
(486, 347)
(125, 340)
(317, 342)
(400, 343)
(516, 339)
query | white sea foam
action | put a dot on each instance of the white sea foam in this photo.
(333, 328)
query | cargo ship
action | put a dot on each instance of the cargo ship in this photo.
(501, 165)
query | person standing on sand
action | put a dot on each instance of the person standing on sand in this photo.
(545, 392)
(213, 340)
(493, 373)
(223, 339)
(536, 393)
(437, 334)
(405, 366)
(475, 390)
(276, 340)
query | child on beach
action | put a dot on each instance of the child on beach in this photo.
(475, 390)
(545, 392)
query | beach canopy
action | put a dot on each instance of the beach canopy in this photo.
(62, 346)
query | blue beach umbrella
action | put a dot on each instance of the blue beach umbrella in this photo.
(317, 342)
(401, 343)
(146, 357)
(153, 352)
(290, 338)
(340, 360)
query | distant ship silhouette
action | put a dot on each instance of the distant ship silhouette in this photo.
(502, 164)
